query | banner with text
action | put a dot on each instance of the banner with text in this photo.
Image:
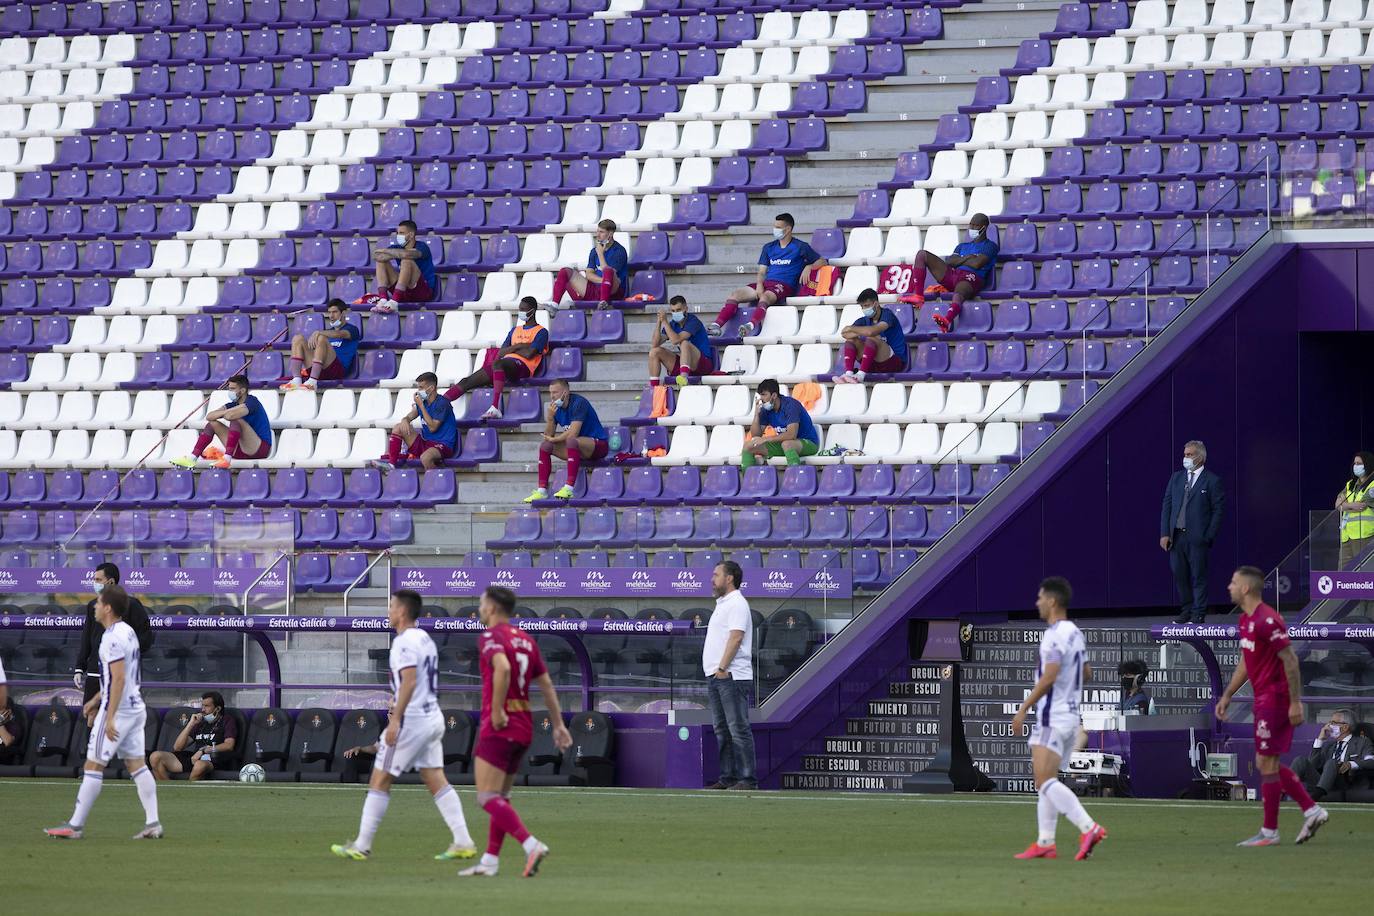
(469, 582)
(214, 580)
(1342, 585)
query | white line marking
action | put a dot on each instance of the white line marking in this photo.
(765, 795)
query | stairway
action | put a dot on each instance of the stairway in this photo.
(897, 733)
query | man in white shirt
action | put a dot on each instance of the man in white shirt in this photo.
(414, 735)
(727, 659)
(116, 717)
(1340, 759)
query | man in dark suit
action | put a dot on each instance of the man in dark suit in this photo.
(1340, 759)
(1188, 524)
(87, 675)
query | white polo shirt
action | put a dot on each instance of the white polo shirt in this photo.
(731, 613)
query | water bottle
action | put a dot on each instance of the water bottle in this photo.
(42, 745)
(305, 751)
(613, 444)
(259, 748)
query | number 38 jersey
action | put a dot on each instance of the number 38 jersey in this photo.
(526, 664)
(414, 649)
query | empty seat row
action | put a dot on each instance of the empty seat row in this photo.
(1104, 197)
(1207, 160)
(1272, 46)
(207, 16)
(83, 84)
(214, 488)
(938, 360)
(687, 485)
(240, 79)
(907, 525)
(888, 443)
(68, 259)
(1156, 17)
(206, 527)
(59, 52)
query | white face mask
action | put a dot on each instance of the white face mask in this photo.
(778, 233)
(209, 718)
(1187, 464)
(974, 233)
(677, 317)
(400, 240)
(1335, 730)
(870, 310)
(558, 404)
(1358, 470)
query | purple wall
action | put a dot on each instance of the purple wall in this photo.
(1231, 375)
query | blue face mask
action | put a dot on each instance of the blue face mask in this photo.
(677, 317)
(558, 404)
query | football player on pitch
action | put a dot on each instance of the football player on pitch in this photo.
(1267, 660)
(414, 735)
(1063, 669)
(116, 718)
(510, 663)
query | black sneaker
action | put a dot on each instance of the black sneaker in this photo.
(745, 786)
(720, 785)
(1183, 618)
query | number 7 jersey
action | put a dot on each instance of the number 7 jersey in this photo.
(526, 664)
(414, 649)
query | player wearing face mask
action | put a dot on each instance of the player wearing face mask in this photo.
(965, 273)
(518, 358)
(606, 274)
(1357, 514)
(404, 269)
(680, 345)
(433, 439)
(879, 336)
(583, 439)
(783, 263)
(781, 428)
(330, 351)
(242, 425)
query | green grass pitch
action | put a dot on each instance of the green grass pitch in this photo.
(265, 849)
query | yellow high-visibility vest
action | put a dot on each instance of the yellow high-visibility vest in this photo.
(1356, 526)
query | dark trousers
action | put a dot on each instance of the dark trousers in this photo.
(734, 737)
(1330, 779)
(91, 686)
(1188, 560)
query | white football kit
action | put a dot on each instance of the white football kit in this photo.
(119, 643)
(1056, 715)
(420, 743)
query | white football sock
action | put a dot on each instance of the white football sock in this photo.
(92, 781)
(1062, 797)
(374, 809)
(1047, 817)
(490, 861)
(147, 793)
(1312, 810)
(531, 843)
(452, 809)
